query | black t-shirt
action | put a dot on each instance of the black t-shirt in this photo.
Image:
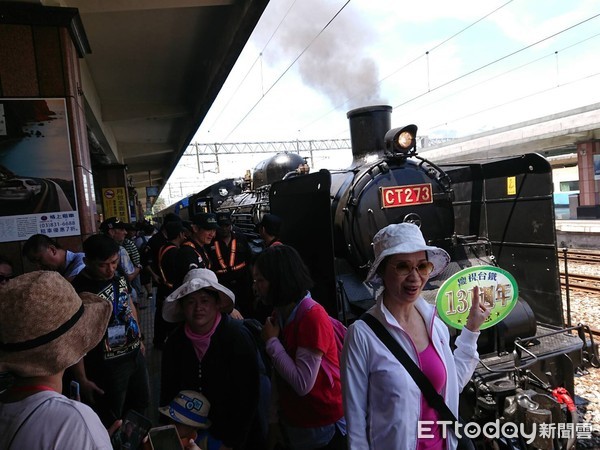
(170, 266)
(122, 335)
(155, 243)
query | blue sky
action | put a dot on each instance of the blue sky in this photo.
(490, 64)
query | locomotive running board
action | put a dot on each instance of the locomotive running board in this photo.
(551, 354)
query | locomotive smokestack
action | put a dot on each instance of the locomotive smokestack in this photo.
(368, 126)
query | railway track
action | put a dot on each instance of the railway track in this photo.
(580, 256)
(584, 283)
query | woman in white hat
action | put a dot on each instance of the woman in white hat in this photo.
(382, 403)
(213, 354)
(46, 327)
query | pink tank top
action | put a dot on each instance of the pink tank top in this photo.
(433, 368)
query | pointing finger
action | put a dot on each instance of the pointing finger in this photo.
(475, 302)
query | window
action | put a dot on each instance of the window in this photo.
(569, 186)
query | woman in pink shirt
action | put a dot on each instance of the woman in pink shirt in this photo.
(383, 405)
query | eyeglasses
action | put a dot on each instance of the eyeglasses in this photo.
(5, 278)
(404, 268)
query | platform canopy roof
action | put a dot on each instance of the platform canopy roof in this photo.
(151, 70)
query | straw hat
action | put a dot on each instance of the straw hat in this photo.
(45, 326)
(195, 280)
(189, 408)
(405, 238)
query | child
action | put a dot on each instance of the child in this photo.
(188, 411)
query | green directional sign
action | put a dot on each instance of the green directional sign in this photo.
(498, 290)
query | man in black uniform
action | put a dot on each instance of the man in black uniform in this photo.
(231, 263)
(195, 251)
(269, 229)
(169, 267)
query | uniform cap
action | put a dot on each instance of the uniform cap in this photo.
(206, 221)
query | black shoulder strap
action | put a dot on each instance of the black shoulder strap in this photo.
(434, 399)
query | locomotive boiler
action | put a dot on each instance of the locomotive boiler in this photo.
(248, 207)
(488, 212)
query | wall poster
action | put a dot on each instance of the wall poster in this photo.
(37, 187)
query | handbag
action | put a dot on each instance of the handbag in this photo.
(434, 399)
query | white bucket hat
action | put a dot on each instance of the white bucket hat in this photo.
(195, 280)
(190, 408)
(405, 238)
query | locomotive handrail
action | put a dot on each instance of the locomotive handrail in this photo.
(517, 355)
(444, 178)
(516, 360)
(358, 180)
(520, 345)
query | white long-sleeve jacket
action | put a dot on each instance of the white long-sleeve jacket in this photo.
(381, 400)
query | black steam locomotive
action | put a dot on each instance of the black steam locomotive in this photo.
(492, 212)
(247, 198)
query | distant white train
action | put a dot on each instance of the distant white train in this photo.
(566, 186)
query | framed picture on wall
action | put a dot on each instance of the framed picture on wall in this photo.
(37, 187)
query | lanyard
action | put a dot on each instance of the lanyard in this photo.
(32, 388)
(116, 296)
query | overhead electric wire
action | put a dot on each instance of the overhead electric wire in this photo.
(514, 69)
(337, 107)
(258, 58)
(289, 67)
(496, 61)
(387, 76)
(491, 108)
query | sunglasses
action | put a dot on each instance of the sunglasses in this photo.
(404, 268)
(4, 278)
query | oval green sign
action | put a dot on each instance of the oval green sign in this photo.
(497, 289)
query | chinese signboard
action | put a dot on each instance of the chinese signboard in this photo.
(37, 189)
(115, 203)
(497, 290)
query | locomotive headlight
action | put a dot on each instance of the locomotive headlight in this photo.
(402, 140)
(405, 139)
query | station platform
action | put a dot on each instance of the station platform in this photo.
(580, 233)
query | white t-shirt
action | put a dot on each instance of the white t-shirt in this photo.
(58, 423)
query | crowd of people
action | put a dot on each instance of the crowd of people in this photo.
(249, 359)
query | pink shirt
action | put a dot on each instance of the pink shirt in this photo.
(201, 342)
(433, 368)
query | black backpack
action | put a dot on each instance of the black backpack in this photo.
(264, 364)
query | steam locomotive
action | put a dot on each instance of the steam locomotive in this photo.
(247, 197)
(487, 212)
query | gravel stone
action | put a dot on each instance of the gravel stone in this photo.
(585, 308)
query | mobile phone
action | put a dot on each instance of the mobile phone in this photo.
(132, 431)
(74, 391)
(165, 438)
